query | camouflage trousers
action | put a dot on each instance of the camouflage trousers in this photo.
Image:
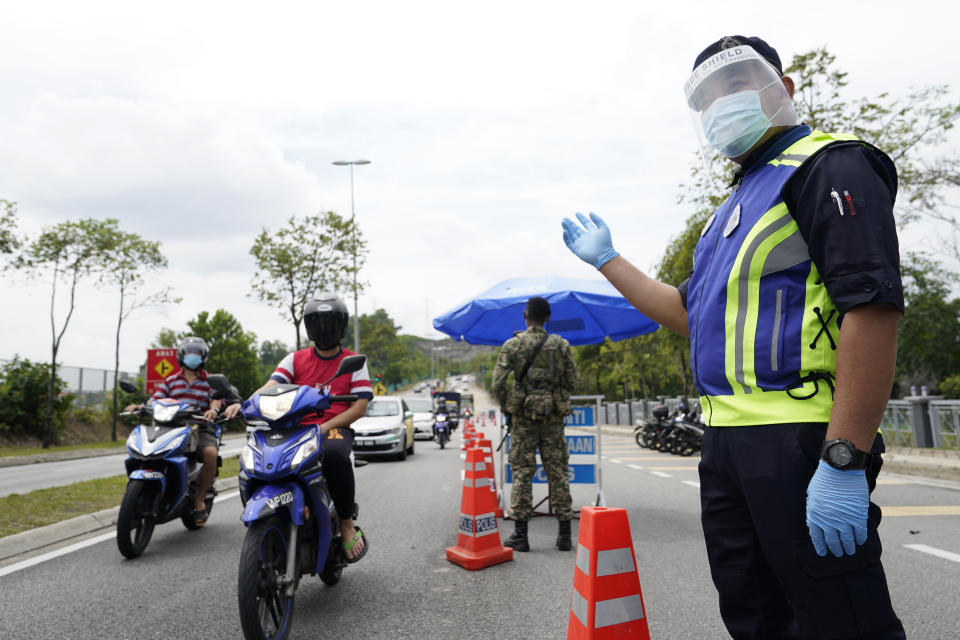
(526, 437)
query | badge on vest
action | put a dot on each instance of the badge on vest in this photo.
(707, 226)
(733, 222)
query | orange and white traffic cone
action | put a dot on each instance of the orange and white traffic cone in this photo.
(478, 538)
(491, 473)
(606, 601)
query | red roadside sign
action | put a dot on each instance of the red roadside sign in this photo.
(160, 364)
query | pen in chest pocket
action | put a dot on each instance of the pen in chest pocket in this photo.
(846, 194)
(836, 198)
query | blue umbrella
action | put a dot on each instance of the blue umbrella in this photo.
(582, 311)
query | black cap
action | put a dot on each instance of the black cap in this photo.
(767, 52)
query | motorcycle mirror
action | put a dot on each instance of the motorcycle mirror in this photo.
(220, 385)
(128, 386)
(350, 364)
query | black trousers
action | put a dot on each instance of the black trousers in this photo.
(771, 582)
(338, 469)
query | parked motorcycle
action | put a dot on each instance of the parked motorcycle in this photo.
(679, 433)
(292, 526)
(163, 468)
(441, 429)
(648, 432)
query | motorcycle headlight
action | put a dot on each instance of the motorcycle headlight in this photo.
(307, 449)
(441, 418)
(273, 407)
(246, 456)
(165, 412)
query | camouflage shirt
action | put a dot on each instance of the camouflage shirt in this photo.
(549, 381)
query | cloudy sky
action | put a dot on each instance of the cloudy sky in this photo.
(198, 124)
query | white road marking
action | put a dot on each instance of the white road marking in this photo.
(660, 474)
(635, 466)
(83, 544)
(692, 483)
(940, 553)
(615, 461)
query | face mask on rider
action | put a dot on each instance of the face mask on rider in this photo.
(734, 123)
(192, 361)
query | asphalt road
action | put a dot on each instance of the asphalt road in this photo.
(24, 478)
(185, 584)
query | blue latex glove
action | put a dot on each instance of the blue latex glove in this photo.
(591, 242)
(837, 503)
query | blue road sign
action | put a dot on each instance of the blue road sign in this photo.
(582, 417)
(576, 473)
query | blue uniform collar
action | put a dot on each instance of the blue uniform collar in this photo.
(771, 149)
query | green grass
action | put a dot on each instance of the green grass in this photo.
(26, 451)
(46, 506)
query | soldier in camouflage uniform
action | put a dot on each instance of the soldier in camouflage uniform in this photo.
(537, 407)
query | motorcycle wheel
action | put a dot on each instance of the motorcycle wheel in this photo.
(266, 612)
(134, 524)
(641, 442)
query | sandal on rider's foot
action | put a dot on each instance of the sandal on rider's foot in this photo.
(200, 517)
(348, 546)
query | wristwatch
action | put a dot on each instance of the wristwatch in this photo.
(843, 455)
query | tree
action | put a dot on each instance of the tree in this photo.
(271, 353)
(929, 334)
(24, 386)
(233, 351)
(69, 251)
(128, 262)
(385, 352)
(908, 128)
(9, 242)
(308, 256)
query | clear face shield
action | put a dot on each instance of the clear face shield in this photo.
(735, 97)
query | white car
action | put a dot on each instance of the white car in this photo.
(422, 417)
(385, 430)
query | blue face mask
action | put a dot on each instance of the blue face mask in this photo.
(734, 123)
(192, 361)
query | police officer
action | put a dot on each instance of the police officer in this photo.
(544, 376)
(792, 309)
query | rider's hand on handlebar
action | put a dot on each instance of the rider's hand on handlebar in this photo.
(131, 408)
(210, 414)
(590, 242)
(232, 411)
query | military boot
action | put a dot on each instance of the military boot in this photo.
(563, 537)
(518, 539)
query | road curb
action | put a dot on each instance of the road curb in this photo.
(65, 530)
(58, 456)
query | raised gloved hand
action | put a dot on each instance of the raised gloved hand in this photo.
(591, 242)
(837, 503)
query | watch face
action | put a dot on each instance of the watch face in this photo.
(839, 454)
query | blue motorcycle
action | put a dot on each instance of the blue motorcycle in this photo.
(162, 468)
(292, 526)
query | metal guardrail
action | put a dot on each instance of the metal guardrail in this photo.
(945, 423)
(88, 385)
(896, 426)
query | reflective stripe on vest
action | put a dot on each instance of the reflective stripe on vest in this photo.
(759, 295)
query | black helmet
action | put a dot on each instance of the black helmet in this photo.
(192, 345)
(325, 320)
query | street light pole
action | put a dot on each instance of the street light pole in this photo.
(353, 218)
